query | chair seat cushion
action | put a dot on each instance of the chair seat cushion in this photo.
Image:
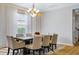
(19, 45)
(30, 46)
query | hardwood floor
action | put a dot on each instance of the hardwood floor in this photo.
(68, 50)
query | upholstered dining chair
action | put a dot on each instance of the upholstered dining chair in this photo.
(53, 41)
(19, 35)
(29, 34)
(36, 45)
(46, 42)
(14, 45)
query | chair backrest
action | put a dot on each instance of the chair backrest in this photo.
(37, 42)
(46, 40)
(37, 33)
(54, 38)
(19, 35)
(10, 41)
(29, 34)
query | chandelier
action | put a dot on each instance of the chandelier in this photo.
(33, 11)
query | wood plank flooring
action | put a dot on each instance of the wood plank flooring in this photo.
(68, 50)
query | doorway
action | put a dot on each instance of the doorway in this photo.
(75, 26)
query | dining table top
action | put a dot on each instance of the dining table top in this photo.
(26, 37)
(23, 38)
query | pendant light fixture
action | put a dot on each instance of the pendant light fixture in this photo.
(33, 11)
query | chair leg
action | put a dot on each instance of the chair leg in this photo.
(8, 51)
(39, 52)
(48, 49)
(55, 46)
(17, 51)
(43, 50)
(52, 47)
(33, 52)
(13, 52)
(29, 51)
(20, 51)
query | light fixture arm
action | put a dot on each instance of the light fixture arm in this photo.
(33, 11)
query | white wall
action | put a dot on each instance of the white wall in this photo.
(35, 24)
(2, 26)
(7, 23)
(59, 21)
(38, 23)
(10, 15)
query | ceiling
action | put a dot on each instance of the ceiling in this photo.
(44, 6)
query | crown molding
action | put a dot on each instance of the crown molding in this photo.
(59, 7)
(12, 5)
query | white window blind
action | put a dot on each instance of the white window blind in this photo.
(22, 23)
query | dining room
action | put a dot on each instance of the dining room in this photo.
(21, 30)
(35, 28)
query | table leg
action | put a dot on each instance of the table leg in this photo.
(24, 51)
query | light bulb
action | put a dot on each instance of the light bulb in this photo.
(34, 9)
(37, 11)
(29, 9)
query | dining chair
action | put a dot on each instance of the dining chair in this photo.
(14, 45)
(36, 45)
(54, 41)
(45, 42)
(19, 35)
(29, 34)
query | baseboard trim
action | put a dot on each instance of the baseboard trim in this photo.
(65, 44)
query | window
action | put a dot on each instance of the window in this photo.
(22, 23)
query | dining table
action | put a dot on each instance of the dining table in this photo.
(27, 40)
